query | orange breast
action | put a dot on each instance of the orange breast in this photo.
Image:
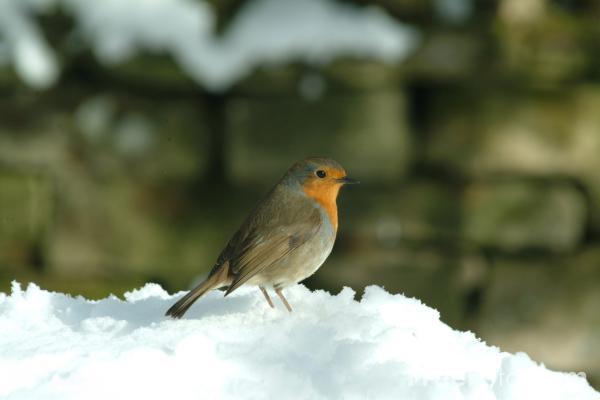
(325, 194)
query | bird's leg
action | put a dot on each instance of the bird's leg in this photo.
(283, 300)
(264, 291)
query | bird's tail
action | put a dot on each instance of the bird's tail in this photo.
(214, 281)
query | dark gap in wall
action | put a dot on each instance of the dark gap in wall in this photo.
(590, 234)
(37, 257)
(419, 97)
(216, 173)
(421, 103)
(472, 303)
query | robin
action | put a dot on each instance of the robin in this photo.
(285, 239)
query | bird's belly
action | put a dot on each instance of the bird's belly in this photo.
(300, 263)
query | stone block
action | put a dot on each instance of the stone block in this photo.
(541, 44)
(367, 132)
(536, 134)
(26, 216)
(515, 215)
(128, 134)
(120, 228)
(547, 308)
(312, 83)
(447, 56)
(418, 211)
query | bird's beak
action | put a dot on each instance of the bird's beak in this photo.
(347, 181)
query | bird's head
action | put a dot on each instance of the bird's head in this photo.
(320, 173)
(320, 178)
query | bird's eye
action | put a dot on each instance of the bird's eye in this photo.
(321, 174)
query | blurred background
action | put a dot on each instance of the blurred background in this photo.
(135, 136)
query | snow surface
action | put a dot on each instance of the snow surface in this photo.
(263, 32)
(54, 346)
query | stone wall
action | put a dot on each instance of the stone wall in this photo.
(479, 162)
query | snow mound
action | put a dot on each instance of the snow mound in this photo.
(54, 346)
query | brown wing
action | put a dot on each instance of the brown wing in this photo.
(272, 233)
(267, 252)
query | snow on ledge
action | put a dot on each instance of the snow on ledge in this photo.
(54, 346)
(263, 32)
